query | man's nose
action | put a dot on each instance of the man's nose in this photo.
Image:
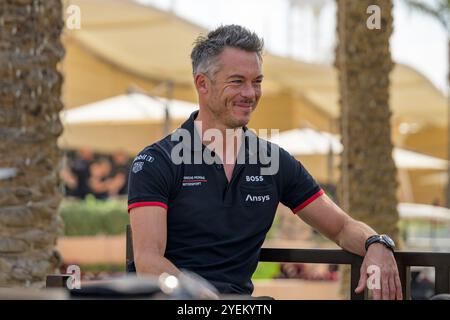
(248, 91)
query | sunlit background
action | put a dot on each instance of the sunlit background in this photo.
(128, 83)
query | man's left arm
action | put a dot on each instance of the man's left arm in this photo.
(326, 217)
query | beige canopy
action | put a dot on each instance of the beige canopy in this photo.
(127, 123)
(306, 142)
(155, 44)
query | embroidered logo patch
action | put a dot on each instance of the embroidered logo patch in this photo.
(193, 181)
(137, 166)
(144, 157)
(254, 178)
(261, 199)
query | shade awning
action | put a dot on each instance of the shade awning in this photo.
(128, 108)
(416, 211)
(126, 122)
(300, 142)
(155, 44)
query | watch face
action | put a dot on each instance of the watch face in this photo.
(388, 240)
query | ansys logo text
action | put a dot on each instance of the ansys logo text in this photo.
(257, 198)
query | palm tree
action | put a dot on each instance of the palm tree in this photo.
(30, 90)
(368, 180)
(441, 12)
(363, 59)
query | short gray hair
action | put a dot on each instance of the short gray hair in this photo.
(207, 48)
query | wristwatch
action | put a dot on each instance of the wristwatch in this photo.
(381, 238)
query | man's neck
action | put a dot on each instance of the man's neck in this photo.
(208, 121)
(231, 137)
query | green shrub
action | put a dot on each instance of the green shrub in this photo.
(94, 217)
(266, 270)
(102, 267)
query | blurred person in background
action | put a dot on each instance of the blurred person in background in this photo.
(118, 183)
(100, 179)
(75, 174)
(70, 181)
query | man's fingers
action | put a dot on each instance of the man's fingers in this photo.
(362, 281)
(392, 287)
(377, 294)
(398, 284)
(385, 288)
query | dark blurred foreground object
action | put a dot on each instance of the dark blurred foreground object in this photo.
(166, 286)
(57, 280)
(129, 287)
(33, 294)
(187, 285)
(422, 284)
(442, 296)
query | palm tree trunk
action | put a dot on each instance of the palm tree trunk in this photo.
(368, 184)
(30, 89)
(368, 180)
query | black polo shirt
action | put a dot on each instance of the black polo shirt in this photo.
(216, 228)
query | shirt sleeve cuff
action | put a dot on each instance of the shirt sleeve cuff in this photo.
(308, 201)
(147, 204)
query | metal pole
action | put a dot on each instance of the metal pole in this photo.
(290, 29)
(169, 96)
(330, 163)
(448, 128)
(330, 159)
(317, 10)
(173, 3)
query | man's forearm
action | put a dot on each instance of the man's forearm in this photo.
(153, 264)
(353, 236)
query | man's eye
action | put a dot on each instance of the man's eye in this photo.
(236, 81)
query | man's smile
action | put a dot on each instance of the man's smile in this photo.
(243, 105)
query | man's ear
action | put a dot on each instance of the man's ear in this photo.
(201, 83)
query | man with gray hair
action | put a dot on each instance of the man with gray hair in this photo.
(211, 217)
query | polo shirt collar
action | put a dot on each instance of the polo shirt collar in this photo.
(196, 144)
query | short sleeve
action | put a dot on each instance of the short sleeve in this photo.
(150, 180)
(298, 187)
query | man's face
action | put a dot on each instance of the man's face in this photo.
(234, 90)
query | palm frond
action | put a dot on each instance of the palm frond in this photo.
(441, 12)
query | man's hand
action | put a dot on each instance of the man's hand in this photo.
(380, 256)
(325, 216)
